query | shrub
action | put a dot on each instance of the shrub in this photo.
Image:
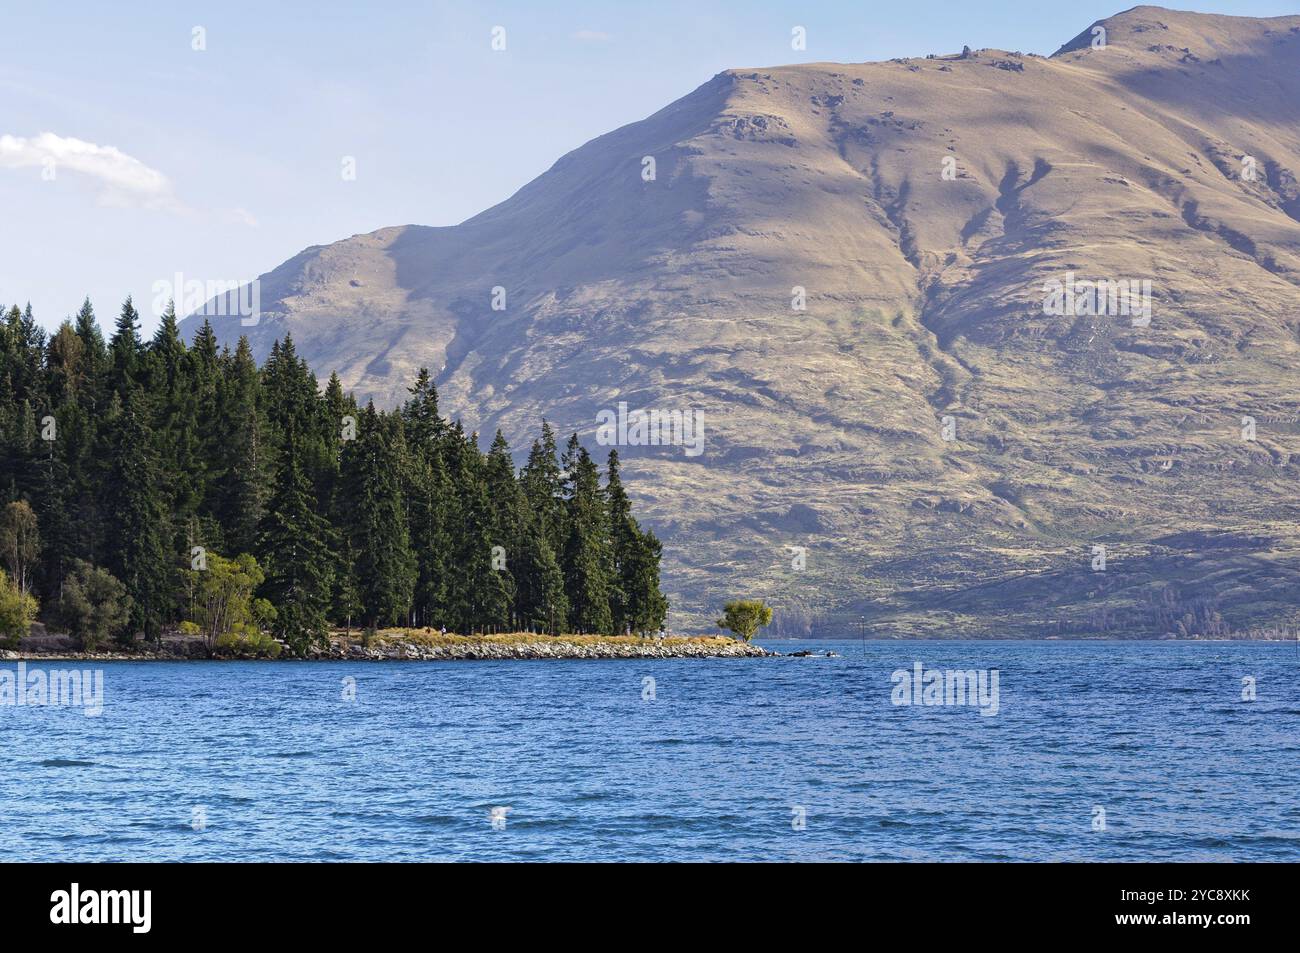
(248, 640)
(17, 610)
(224, 603)
(94, 605)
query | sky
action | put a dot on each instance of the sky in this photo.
(142, 140)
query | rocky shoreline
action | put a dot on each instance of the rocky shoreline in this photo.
(445, 648)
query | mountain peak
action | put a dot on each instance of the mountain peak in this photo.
(831, 263)
(1206, 36)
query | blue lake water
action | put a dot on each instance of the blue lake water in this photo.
(269, 762)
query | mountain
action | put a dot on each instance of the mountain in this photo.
(926, 206)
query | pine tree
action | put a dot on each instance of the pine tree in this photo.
(88, 330)
(238, 467)
(295, 551)
(647, 607)
(470, 577)
(428, 490)
(80, 419)
(624, 538)
(540, 602)
(543, 487)
(52, 503)
(384, 565)
(507, 515)
(339, 418)
(138, 551)
(172, 386)
(125, 351)
(203, 369)
(636, 603)
(424, 428)
(587, 552)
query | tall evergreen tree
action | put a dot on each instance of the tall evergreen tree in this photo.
(587, 552)
(428, 490)
(384, 565)
(507, 516)
(238, 461)
(540, 602)
(92, 338)
(471, 581)
(543, 487)
(173, 388)
(139, 553)
(125, 351)
(636, 603)
(296, 554)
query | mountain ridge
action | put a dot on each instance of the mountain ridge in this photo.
(825, 427)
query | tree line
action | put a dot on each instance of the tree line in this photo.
(130, 468)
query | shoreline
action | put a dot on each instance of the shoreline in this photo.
(489, 648)
(439, 648)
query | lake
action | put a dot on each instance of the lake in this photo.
(1097, 751)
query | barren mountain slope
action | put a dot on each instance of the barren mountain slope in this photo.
(924, 300)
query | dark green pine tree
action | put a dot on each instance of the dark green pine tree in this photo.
(203, 368)
(425, 429)
(10, 466)
(384, 565)
(138, 548)
(345, 599)
(587, 552)
(540, 603)
(79, 436)
(8, 462)
(647, 605)
(92, 339)
(296, 556)
(543, 487)
(507, 516)
(636, 603)
(23, 350)
(469, 570)
(290, 397)
(60, 457)
(23, 394)
(623, 536)
(125, 352)
(339, 421)
(173, 388)
(428, 490)
(238, 463)
(22, 453)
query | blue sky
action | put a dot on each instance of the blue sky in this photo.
(221, 163)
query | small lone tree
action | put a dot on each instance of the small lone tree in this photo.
(745, 617)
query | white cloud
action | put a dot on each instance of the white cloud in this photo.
(239, 216)
(123, 180)
(591, 36)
